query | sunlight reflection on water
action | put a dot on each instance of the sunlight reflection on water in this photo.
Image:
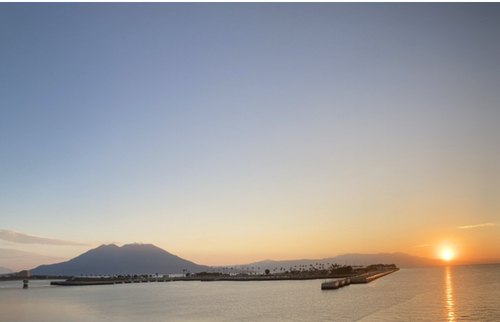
(450, 304)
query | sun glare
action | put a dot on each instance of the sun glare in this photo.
(447, 255)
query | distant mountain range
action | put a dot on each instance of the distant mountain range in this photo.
(128, 259)
(149, 259)
(400, 259)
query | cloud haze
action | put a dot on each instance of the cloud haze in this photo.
(17, 259)
(20, 238)
(479, 225)
(8, 254)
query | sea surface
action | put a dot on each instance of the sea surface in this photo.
(455, 293)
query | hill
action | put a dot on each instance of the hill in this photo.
(128, 259)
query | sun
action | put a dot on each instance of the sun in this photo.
(447, 255)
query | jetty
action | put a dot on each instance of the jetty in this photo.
(108, 281)
(335, 284)
(371, 276)
(360, 279)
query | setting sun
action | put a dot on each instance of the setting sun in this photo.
(447, 255)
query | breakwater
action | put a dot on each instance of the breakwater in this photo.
(342, 280)
(107, 281)
(367, 278)
(335, 284)
(77, 281)
(360, 279)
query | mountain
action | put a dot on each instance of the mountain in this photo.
(4, 270)
(400, 259)
(128, 259)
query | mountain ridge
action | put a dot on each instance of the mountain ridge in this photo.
(401, 259)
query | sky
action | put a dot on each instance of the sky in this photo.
(231, 133)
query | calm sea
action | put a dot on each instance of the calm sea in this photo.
(461, 293)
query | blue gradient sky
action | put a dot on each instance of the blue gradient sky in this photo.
(228, 133)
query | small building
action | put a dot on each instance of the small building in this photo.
(24, 274)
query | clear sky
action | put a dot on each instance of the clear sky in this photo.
(231, 133)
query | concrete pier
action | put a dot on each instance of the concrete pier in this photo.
(365, 278)
(371, 276)
(335, 284)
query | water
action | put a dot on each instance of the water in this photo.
(461, 293)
